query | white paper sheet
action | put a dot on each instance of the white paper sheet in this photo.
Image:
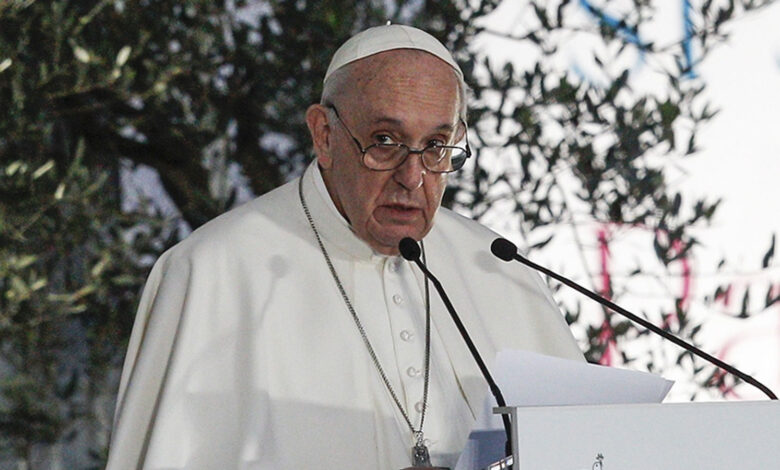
(531, 379)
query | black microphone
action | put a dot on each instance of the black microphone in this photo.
(410, 250)
(507, 251)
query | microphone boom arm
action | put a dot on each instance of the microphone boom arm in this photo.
(617, 308)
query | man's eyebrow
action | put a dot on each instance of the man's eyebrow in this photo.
(445, 127)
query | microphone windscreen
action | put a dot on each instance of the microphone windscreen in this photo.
(409, 249)
(504, 249)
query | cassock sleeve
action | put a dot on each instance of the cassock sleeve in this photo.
(149, 354)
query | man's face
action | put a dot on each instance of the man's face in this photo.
(401, 96)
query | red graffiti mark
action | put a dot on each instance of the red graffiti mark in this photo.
(606, 281)
(745, 337)
(685, 296)
(607, 335)
(774, 293)
(727, 391)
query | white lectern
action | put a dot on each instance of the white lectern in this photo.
(672, 436)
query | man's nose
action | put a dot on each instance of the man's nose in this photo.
(411, 172)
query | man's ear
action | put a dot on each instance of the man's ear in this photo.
(317, 121)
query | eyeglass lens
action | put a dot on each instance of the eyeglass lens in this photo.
(435, 158)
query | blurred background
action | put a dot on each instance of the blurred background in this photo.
(630, 145)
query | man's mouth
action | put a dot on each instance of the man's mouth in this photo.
(399, 211)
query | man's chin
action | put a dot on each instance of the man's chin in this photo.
(387, 243)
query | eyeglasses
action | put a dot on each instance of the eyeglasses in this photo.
(435, 157)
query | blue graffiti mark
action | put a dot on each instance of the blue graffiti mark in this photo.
(688, 33)
(629, 33)
(585, 77)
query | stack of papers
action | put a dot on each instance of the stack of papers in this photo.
(531, 379)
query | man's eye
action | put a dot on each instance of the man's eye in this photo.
(436, 143)
(384, 139)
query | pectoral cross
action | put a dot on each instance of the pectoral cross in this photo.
(421, 458)
(420, 455)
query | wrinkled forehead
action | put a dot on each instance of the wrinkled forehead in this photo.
(406, 81)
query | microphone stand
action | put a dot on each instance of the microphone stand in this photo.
(410, 250)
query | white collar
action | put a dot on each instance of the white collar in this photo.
(331, 225)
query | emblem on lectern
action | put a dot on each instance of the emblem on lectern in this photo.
(598, 464)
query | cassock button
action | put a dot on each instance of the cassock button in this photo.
(407, 335)
(412, 371)
(398, 299)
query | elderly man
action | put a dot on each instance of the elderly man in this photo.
(288, 333)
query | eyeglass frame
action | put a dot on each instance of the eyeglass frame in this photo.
(410, 150)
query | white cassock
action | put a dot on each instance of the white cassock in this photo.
(244, 355)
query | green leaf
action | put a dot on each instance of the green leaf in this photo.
(769, 255)
(23, 261)
(542, 243)
(743, 312)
